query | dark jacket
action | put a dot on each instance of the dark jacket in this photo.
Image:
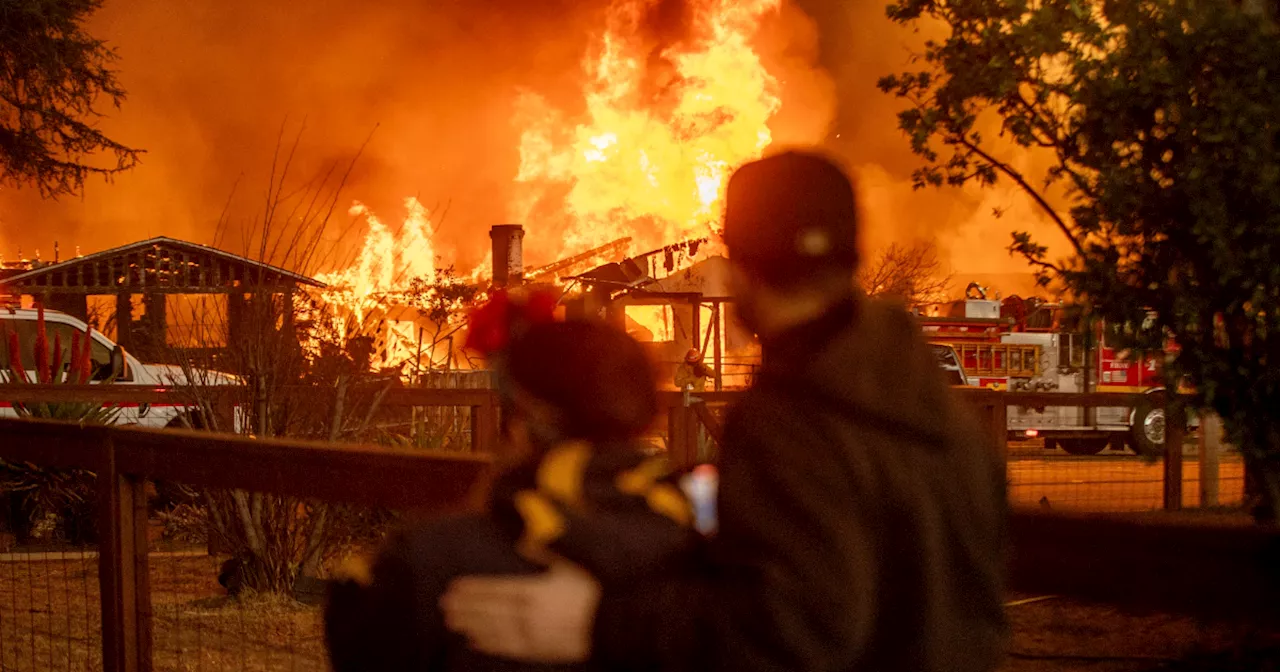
(611, 511)
(861, 522)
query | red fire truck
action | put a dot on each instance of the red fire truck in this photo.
(1029, 345)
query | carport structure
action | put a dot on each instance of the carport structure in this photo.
(155, 270)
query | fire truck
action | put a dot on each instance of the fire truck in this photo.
(1032, 345)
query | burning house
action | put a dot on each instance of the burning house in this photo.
(155, 297)
(640, 164)
(673, 301)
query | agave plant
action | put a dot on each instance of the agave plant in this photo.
(63, 497)
(57, 366)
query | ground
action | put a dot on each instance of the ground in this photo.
(49, 621)
(1058, 635)
(49, 605)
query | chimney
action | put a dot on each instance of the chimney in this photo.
(508, 254)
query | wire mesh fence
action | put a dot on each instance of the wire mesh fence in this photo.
(50, 611)
(1115, 480)
(50, 616)
(236, 578)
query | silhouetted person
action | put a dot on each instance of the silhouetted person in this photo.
(861, 510)
(579, 394)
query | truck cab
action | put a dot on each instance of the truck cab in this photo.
(950, 364)
(106, 358)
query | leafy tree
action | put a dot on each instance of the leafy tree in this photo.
(1160, 117)
(443, 301)
(52, 75)
(912, 273)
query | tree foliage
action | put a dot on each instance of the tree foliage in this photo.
(52, 77)
(912, 273)
(1161, 120)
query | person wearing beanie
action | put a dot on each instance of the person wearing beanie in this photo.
(861, 512)
(575, 484)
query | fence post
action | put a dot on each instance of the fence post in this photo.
(1210, 449)
(484, 426)
(1000, 424)
(682, 436)
(1175, 427)
(123, 572)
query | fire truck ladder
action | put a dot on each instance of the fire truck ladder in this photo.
(999, 360)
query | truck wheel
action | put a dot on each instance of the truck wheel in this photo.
(1147, 434)
(1084, 446)
(188, 420)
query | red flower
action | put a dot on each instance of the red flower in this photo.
(55, 360)
(540, 308)
(15, 358)
(493, 325)
(42, 348)
(86, 361)
(73, 366)
(487, 326)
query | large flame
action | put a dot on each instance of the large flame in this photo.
(670, 111)
(664, 126)
(386, 263)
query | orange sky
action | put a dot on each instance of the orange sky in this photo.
(211, 81)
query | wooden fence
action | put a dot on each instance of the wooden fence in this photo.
(1175, 564)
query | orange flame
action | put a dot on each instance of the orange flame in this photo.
(663, 128)
(386, 263)
(666, 120)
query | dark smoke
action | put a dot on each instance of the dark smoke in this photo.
(212, 81)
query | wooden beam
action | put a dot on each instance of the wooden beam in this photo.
(716, 346)
(714, 428)
(54, 444)
(123, 573)
(1162, 561)
(1175, 425)
(118, 394)
(484, 429)
(370, 476)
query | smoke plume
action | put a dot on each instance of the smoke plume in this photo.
(211, 82)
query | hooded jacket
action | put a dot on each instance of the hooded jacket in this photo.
(861, 522)
(608, 509)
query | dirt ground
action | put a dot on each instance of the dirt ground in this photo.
(1058, 635)
(49, 620)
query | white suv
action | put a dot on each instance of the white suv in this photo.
(106, 357)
